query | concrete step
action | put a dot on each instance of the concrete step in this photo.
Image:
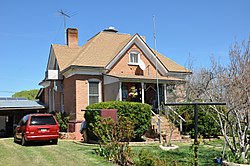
(166, 127)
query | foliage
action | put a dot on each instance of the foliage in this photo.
(114, 139)
(138, 113)
(207, 127)
(62, 120)
(145, 159)
(230, 157)
(28, 94)
(228, 84)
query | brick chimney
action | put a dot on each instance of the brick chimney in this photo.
(72, 37)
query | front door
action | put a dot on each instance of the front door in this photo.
(150, 92)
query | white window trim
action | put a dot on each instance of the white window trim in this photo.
(134, 52)
(99, 88)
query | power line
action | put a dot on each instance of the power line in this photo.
(8, 91)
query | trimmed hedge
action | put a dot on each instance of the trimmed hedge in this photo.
(137, 112)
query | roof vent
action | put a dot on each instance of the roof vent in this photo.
(110, 29)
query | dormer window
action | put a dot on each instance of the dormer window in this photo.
(134, 57)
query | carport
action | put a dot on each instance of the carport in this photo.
(13, 109)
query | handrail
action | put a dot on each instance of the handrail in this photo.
(158, 117)
(176, 113)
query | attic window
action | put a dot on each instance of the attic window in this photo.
(134, 57)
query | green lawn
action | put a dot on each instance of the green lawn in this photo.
(75, 153)
(68, 153)
(183, 155)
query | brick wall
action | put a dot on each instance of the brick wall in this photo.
(123, 68)
(82, 93)
(69, 97)
(76, 99)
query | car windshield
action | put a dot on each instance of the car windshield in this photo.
(42, 120)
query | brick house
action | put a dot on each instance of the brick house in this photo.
(109, 66)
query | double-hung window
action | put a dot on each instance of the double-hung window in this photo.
(134, 57)
(93, 92)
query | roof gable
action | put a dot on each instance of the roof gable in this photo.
(137, 40)
(63, 55)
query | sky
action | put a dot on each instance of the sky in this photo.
(186, 30)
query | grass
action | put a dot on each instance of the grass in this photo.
(68, 153)
(74, 153)
(184, 155)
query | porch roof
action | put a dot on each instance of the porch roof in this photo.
(145, 78)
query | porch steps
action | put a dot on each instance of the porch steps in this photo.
(166, 128)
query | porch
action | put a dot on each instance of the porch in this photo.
(142, 89)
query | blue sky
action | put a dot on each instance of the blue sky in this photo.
(199, 28)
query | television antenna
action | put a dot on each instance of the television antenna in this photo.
(65, 15)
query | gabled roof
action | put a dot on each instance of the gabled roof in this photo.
(171, 65)
(97, 52)
(100, 50)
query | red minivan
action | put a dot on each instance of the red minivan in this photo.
(37, 127)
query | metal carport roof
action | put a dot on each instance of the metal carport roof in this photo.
(9, 103)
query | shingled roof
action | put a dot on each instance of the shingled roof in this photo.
(100, 50)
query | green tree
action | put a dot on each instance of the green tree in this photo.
(29, 94)
(230, 84)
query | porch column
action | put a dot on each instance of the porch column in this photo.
(142, 92)
(120, 92)
(165, 93)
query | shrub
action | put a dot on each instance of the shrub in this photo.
(138, 113)
(207, 127)
(146, 159)
(62, 120)
(114, 139)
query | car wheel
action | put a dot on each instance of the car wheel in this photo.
(24, 142)
(54, 142)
